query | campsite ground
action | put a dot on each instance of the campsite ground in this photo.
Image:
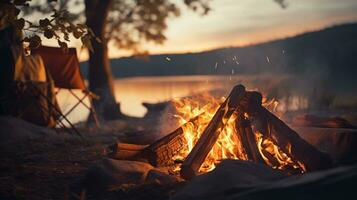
(53, 167)
(45, 171)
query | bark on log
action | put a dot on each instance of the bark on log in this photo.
(240, 128)
(192, 163)
(248, 140)
(160, 153)
(125, 151)
(271, 126)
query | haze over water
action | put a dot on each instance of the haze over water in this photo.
(132, 92)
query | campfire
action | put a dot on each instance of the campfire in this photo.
(237, 127)
(233, 141)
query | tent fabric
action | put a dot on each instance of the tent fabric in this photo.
(63, 66)
(27, 68)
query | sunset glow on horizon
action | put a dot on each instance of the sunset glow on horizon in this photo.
(242, 22)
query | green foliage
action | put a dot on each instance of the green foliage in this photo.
(59, 25)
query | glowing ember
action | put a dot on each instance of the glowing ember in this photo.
(228, 146)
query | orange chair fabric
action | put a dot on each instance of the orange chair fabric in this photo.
(63, 66)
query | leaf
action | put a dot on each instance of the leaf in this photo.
(82, 26)
(76, 34)
(69, 29)
(66, 37)
(48, 33)
(63, 45)
(35, 42)
(20, 23)
(86, 42)
(44, 22)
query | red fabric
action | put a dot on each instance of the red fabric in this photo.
(63, 66)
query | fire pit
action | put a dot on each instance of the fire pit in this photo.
(236, 127)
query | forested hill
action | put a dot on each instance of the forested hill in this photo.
(331, 51)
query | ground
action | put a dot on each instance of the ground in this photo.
(46, 171)
(54, 167)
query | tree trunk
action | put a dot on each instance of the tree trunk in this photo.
(100, 75)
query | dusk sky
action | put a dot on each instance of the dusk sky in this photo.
(243, 22)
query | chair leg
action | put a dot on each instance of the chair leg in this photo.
(75, 106)
(59, 112)
(90, 108)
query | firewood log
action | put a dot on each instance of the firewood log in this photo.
(247, 137)
(271, 126)
(160, 153)
(125, 151)
(191, 165)
(242, 136)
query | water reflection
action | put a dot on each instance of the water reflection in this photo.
(132, 92)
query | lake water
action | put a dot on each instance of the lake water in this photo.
(132, 92)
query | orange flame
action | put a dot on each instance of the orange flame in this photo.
(275, 157)
(228, 146)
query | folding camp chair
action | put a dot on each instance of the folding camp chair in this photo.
(64, 69)
(30, 93)
(44, 102)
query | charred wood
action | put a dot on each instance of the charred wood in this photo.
(160, 153)
(288, 140)
(191, 165)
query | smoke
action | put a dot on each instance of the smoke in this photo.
(167, 121)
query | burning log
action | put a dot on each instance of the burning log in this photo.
(286, 138)
(240, 127)
(246, 136)
(160, 153)
(196, 157)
